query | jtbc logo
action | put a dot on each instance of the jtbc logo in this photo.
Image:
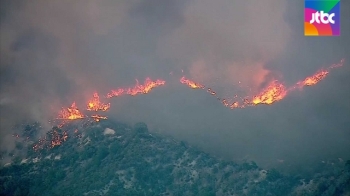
(316, 17)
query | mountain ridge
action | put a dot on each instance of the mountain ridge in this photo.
(111, 158)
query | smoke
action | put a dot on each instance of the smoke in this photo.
(54, 53)
(46, 57)
(229, 40)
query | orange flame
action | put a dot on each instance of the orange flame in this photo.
(318, 76)
(190, 83)
(147, 86)
(70, 113)
(115, 93)
(312, 80)
(94, 104)
(234, 105)
(144, 88)
(274, 92)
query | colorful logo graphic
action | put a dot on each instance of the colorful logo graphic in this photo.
(322, 18)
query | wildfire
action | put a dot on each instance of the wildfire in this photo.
(318, 76)
(144, 88)
(274, 92)
(147, 86)
(312, 80)
(70, 113)
(53, 138)
(190, 83)
(94, 104)
(115, 93)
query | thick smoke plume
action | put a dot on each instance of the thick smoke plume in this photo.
(57, 52)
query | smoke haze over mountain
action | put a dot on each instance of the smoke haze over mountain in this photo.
(57, 52)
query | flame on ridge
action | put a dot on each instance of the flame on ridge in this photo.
(70, 113)
(314, 79)
(191, 83)
(115, 93)
(94, 104)
(144, 88)
(275, 91)
(318, 76)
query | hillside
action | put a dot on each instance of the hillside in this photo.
(110, 158)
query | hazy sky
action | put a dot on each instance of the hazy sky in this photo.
(57, 52)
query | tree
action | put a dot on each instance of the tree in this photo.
(102, 152)
(140, 127)
(114, 147)
(273, 175)
(19, 145)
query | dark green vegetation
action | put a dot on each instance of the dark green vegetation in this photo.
(122, 160)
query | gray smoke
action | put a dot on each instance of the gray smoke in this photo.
(57, 52)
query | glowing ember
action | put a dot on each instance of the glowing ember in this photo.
(97, 118)
(211, 91)
(53, 138)
(94, 104)
(274, 92)
(58, 138)
(337, 65)
(15, 135)
(190, 83)
(234, 105)
(70, 113)
(225, 102)
(61, 125)
(40, 144)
